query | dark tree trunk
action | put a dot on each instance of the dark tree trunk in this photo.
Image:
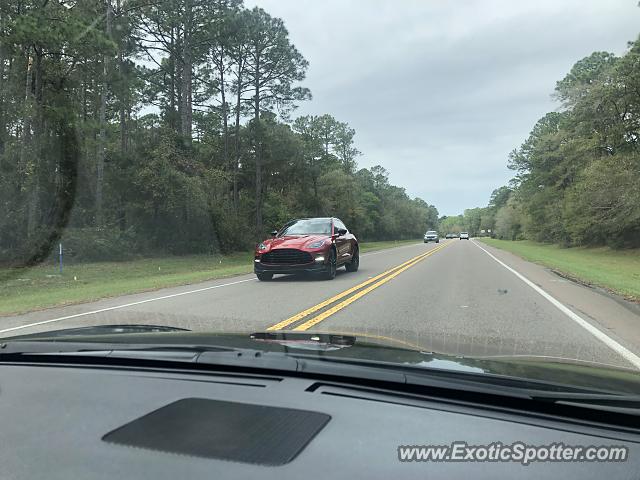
(36, 160)
(26, 122)
(236, 162)
(258, 148)
(102, 141)
(3, 126)
(172, 80)
(186, 112)
(225, 113)
(123, 92)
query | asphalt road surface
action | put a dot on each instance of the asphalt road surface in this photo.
(458, 297)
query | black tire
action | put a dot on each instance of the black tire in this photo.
(330, 273)
(437, 241)
(354, 264)
(264, 276)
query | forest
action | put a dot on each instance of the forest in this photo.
(142, 128)
(577, 175)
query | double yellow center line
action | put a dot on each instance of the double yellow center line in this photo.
(370, 284)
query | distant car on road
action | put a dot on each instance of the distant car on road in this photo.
(450, 235)
(464, 236)
(431, 236)
(313, 245)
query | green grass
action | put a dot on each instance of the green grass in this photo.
(43, 287)
(615, 270)
(372, 246)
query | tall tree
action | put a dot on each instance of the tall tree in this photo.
(273, 66)
(344, 147)
(102, 140)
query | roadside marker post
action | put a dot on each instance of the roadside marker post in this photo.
(60, 255)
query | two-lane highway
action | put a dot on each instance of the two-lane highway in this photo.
(457, 296)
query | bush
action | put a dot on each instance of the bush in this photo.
(96, 244)
(508, 222)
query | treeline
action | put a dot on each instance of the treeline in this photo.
(578, 174)
(136, 127)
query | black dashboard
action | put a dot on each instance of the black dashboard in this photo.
(68, 422)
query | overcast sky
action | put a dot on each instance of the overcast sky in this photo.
(440, 92)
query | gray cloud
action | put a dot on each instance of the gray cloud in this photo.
(440, 92)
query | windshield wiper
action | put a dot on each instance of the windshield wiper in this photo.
(108, 329)
(72, 352)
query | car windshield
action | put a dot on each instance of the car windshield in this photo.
(307, 227)
(169, 164)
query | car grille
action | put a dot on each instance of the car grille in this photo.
(286, 256)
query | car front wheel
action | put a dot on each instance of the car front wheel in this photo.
(264, 277)
(330, 272)
(353, 265)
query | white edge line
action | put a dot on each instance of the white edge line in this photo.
(116, 307)
(92, 312)
(603, 337)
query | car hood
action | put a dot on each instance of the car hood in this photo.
(294, 241)
(358, 348)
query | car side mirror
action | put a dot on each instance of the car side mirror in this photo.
(274, 233)
(341, 231)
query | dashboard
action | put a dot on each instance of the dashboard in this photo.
(67, 422)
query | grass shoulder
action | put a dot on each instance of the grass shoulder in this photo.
(617, 271)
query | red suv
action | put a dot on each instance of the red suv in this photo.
(316, 245)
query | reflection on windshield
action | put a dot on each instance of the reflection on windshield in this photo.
(448, 365)
(307, 227)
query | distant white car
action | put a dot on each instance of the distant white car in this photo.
(431, 236)
(464, 235)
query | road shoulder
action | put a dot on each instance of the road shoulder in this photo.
(612, 316)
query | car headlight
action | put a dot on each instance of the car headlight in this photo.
(262, 246)
(317, 244)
